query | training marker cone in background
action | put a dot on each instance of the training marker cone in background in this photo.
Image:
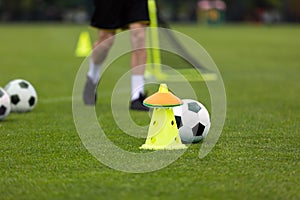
(84, 45)
(163, 132)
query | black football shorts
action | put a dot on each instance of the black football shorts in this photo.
(114, 14)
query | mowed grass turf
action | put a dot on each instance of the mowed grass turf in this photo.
(256, 157)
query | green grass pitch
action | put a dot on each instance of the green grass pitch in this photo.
(256, 157)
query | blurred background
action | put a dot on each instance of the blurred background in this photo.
(257, 155)
(194, 11)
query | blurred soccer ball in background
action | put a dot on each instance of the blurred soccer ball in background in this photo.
(192, 120)
(4, 104)
(22, 95)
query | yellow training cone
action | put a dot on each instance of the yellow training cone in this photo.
(84, 45)
(163, 132)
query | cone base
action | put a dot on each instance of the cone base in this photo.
(169, 147)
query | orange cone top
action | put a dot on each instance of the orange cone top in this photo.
(162, 98)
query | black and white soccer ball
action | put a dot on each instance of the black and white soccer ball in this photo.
(192, 120)
(4, 104)
(22, 94)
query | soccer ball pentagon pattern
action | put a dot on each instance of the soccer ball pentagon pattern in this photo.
(22, 95)
(192, 120)
(4, 104)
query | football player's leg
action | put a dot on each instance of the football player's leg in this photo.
(138, 62)
(100, 51)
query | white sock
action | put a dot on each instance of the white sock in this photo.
(94, 72)
(137, 86)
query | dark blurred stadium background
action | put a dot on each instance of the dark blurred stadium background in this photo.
(268, 11)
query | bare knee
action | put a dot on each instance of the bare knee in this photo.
(102, 46)
(105, 40)
(138, 36)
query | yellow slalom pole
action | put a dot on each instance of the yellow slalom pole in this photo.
(154, 33)
(154, 59)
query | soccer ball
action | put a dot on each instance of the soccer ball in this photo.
(192, 120)
(4, 104)
(22, 94)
